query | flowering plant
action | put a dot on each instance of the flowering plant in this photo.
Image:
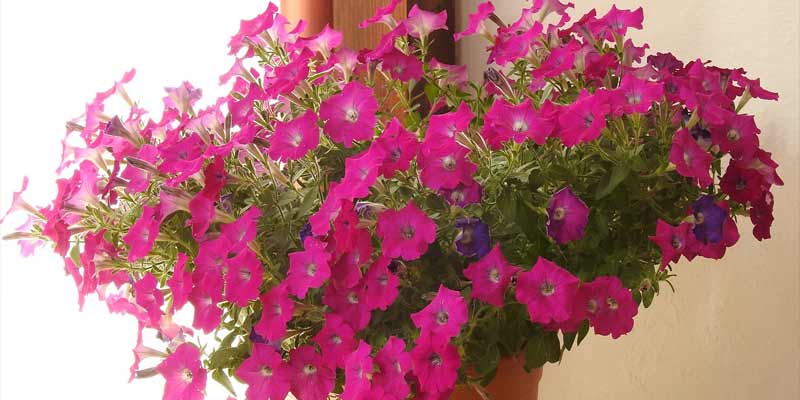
(375, 225)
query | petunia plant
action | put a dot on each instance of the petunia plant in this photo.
(374, 224)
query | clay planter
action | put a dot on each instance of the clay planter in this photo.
(316, 13)
(510, 383)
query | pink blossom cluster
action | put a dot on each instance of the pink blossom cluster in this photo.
(150, 216)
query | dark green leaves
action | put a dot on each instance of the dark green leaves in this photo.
(612, 180)
(542, 349)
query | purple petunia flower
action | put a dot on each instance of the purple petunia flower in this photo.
(473, 238)
(708, 219)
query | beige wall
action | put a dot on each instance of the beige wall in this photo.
(732, 330)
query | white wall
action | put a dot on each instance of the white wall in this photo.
(731, 330)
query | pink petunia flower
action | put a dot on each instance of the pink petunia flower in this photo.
(142, 234)
(609, 306)
(350, 114)
(393, 363)
(325, 41)
(358, 373)
(455, 75)
(584, 120)
(149, 297)
(465, 193)
(444, 164)
(743, 185)
(181, 157)
(308, 268)
(490, 276)
(311, 378)
(406, 232)
(567, 217)
(350, 304)
(186, 378)
(421, 23)
(737, 136)
(401, 66)
(381, 284)
(336, 339)
(265, 373)
(180, 283)
(382, 14)
(346, 271)
(476, 23)
(435, 364)
(243, 278)
(560, 60)
(242, 231)
(400, 147)
(548, 291)
(444, 316)
(505, 121)
(207, 314)
(617, 22)
(293, 139)
(139, 179)
(361, 171)
(674, 241)
(635, 95)
(548, 6)
(276, 312)
(448, 125)
(690, 159)
(251, 28)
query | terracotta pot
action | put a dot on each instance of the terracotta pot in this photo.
(316, 13)
(510, 383)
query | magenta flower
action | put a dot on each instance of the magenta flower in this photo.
(149, 297)
(293, 139)
(567, 216)
(690, 159)
(635, 95)
(401, 66)
(249, 29)
(512, 43)
(548, 6)
(476, 23)
(242, 231)
(346, 272)
(584, 120)
(490, 277)
(464, 194)
(444, 164)
(265, 373)
(400, 147)
(444, 316)
(186, 379)
(276, 312)
(609, 306)
(394, 363)
(674, 242)
(560, 60)
(361, 171)
(243, 279)
(421, 23)
(743, 185)
(505, 121)
(435, 364)
(548, 291)
(182, 98)
(325, 41)
(406, 232)
(308, 268)
(382, 14)
(139, 179)
(737, 136)
(616, 22)
(350, 114)
(381, 284)
(447, 125)
(142, 234)
(207, 314)
(358, 373)
(455, 75)
(336, 339)
(311, 378)
(350, 304)
(181, 157)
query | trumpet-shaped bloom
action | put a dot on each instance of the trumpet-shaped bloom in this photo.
(350, 114)
(276, 312)
(406, 232)
(400, 147)
(435, 364)
(548, 291)
(490, 276)
(186, 378)
(311, 378)
(308, 268)
(567, 217)
(421, 23)
(265, 373)
(472, 239)
(294, 139)
(444, 316)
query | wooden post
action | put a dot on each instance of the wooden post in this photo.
(317, 13)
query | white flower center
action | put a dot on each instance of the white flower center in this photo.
(449, 163)
(494, 275)
(612, 304)
(734, 135)
(309, 369)
(519, 126)
(559, 213)
(547, 289)
(311, 269)
(266, 371)
(295, 138)
(186, 375)
(351, 115)
(442, 317)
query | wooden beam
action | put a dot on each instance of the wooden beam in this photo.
(347, 14)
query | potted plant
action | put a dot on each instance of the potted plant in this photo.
(333, 241)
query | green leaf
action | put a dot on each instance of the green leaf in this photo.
(583, 331)
(647, 297)
(617, 175)
(569, 339)
(223, 380)
(542, 349)
(75, 255)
